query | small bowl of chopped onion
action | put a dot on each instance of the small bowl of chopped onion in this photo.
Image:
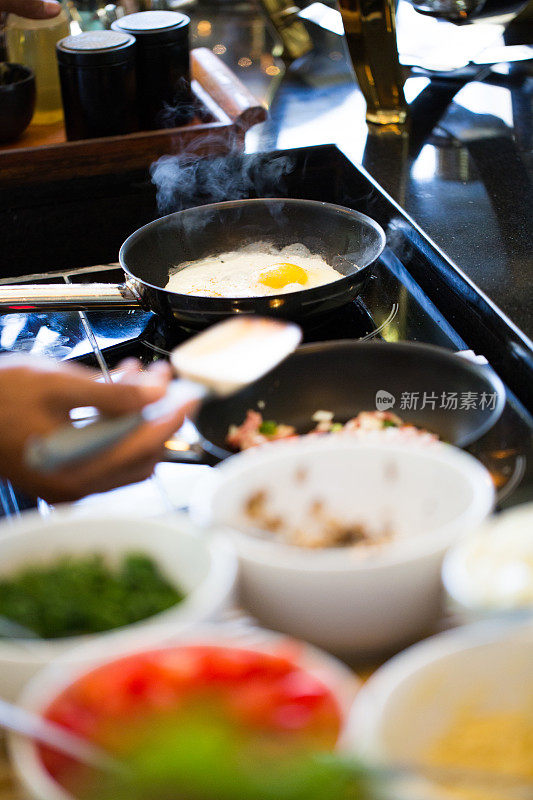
(453, 715)
(340, 541)
(65, 580)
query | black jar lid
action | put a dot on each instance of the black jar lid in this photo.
(96, 48)
(154, 27)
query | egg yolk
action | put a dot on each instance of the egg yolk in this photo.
(280, 275)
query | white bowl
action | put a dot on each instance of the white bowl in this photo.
(491, 570)
(410, 702)
(349, 601)
(47, 684)
(205, 570)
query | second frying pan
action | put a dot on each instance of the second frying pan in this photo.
(431, 387)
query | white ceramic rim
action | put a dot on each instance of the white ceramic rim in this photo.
(40, 691)
(203, 601)
(291, 557)
(455, 571)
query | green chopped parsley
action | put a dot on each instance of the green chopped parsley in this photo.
(77, 595)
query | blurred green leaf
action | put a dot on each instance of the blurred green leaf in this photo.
(212, 759)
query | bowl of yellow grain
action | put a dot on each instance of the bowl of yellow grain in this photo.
(451, 718)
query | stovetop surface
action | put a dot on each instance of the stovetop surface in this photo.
(393, 306)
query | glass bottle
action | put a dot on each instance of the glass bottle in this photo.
(32, 42)
(370, 28)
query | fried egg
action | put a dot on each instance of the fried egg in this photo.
(253, 273)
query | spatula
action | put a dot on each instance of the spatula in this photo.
(219, 361)
(19, 720)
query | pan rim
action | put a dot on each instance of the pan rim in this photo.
(221, 303)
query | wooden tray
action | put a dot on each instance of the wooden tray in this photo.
(225, 109)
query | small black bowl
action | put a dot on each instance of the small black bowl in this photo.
(17, 100)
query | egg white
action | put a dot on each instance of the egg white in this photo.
(237, 274)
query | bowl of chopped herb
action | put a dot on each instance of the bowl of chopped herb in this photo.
(65, 580)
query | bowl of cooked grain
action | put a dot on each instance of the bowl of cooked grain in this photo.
(456, 711)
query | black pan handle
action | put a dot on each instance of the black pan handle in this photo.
(67, 296)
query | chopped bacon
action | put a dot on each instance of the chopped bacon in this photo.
(241, 437)
(373, 421)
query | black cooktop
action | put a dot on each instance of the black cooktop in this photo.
(415, 294)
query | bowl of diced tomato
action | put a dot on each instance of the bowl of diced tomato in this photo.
(217, 717)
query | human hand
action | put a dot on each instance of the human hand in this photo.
(36, 398)
(33, 9)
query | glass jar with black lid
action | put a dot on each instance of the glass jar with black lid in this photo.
(163, 74)
(98, 84)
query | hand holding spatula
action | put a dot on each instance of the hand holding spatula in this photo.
(219, 361)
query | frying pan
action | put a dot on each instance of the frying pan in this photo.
(346, 239)
(345, 376)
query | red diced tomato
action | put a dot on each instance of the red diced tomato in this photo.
(303, 687)
(292, 716)
(265, 692)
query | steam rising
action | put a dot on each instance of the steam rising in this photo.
(186, 180)
(181, 111)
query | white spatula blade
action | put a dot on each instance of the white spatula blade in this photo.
(236, 352)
